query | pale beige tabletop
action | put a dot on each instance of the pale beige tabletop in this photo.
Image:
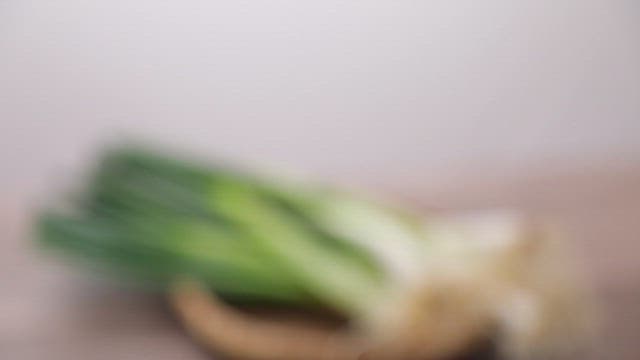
(49, 310)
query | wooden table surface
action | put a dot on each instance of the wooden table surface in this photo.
(51, 311)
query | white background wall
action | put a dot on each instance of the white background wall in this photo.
(395, 90)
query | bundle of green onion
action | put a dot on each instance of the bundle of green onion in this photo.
(156, 218)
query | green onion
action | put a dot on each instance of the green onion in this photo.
(155, 218)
